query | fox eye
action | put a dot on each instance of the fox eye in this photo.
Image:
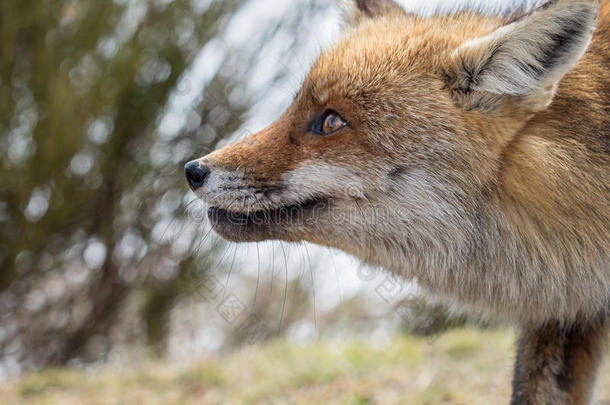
(328, 123)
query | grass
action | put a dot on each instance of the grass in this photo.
(464, 366)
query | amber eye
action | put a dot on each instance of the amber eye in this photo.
(332, 123)
(328, 123)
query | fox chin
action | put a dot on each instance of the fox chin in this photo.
(467, 152)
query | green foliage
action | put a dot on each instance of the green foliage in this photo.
(87, 178)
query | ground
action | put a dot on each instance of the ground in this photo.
(464, 366)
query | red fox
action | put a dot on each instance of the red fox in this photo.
(469, 153)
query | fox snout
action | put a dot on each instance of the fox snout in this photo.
(259, 187)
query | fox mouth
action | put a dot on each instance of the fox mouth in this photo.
(258, 225)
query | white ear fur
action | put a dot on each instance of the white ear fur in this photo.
(526, 58)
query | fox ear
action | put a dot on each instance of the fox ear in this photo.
(354, 11)
(525, 59)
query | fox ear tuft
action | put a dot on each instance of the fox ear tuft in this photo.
(525, 59)
(354, 11)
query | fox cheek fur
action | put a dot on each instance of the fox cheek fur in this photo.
(481, 146)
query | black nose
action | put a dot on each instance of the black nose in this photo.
(196, 174)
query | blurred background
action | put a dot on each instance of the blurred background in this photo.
(105, 254)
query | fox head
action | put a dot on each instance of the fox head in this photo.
(394, 139)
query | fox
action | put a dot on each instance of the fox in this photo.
(466, 152)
